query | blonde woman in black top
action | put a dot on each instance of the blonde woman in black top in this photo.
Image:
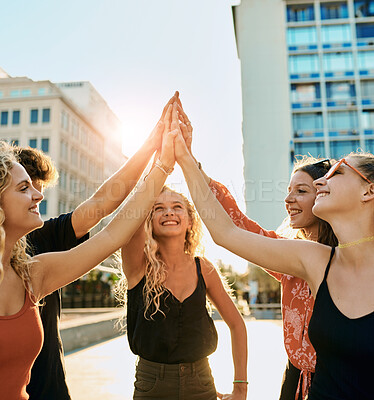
(168, 325)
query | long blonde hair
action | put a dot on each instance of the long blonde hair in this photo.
(19, 260)
(155, 268)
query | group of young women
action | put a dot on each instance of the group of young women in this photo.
(326, 275)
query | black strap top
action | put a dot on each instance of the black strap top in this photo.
(345, 350)
(186, 333)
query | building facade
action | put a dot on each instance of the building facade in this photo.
(85, 149)
(308, 86)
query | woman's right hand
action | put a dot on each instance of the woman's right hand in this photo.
(171, 130)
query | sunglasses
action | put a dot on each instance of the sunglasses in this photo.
(335, 167)
(325, 163)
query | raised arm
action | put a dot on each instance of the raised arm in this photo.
(49, 271)
(292, 257)
(230, 314)
(115, 189)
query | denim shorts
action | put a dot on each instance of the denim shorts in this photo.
(187, 381)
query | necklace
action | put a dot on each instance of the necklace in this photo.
(349, 244)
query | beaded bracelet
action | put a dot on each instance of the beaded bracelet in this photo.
(238, 381)
(163, 168)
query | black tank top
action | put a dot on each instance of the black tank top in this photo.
(345, 350)
(186, 333)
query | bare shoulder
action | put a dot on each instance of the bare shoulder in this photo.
(209, 271)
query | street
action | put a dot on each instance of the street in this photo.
(106, 371)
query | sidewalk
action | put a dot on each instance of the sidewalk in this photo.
(106, 371)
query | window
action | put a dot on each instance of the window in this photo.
(41, 91)
(33, 143)
(34, 116)
(14, 93)
(339, 149)
(369, 145)
(302, 35)
(367, 88)
(74, 157)
(307, 121)
(26, 92)
(14, 142)
(343, 120)
(315, 149)
(364, 8)
(64, 120)
(4, 118)
(365, 31)
(45, 145)
(83, 164)
(62, 180)
(334, 10)
(340, 90)
(300, 12)
(61, 207)
(336, 33)
(43, 207)
(46, 114)
(74, 128)
(303, 64)
(64, 150)
(367, 119)
(1, 94)
(305, 92)
(16, 117)
(365, 59)
(335, 62)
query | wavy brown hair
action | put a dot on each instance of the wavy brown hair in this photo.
(19, 259)
(155, 267)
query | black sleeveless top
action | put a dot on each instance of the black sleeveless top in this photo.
(345, 350)
(186, 333)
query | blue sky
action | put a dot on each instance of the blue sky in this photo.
(136, 54)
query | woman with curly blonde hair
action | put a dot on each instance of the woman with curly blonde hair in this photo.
(168, 324)
(26, 279)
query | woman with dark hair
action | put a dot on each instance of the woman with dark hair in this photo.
(297, 300)
(340, 278)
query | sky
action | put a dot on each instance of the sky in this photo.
(136, 54)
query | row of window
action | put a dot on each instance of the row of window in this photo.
(76, 187)
(14, 117)
(333, 10)
(78, 132)
(332, 62)
(41, 143)
(338, 149)
(340, 120)
(23, 93)
(307, 35)
(80, 161)
(334, 91)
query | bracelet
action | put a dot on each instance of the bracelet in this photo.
(163, 168)
(238, 381)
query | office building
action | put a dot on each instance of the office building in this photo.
(308, 88)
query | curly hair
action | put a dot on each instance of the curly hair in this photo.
(38, 165)
(315, 168)
(155, 268)
(19, 259)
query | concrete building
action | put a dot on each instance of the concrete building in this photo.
(308, 88)
(76, 128)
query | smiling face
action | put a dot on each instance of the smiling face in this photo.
(299, 202)
(170, 215)
(341, 193)
(20, 202)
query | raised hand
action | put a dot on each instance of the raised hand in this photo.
(163, 125)
(171, 131)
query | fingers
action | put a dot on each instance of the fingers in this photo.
(167, 117)
(171, 101)
(187, 136)
(219, 395)
(174, 117)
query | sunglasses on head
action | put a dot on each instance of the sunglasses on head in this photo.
(325, 163)
(336, 166)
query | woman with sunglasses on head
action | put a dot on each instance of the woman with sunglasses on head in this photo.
(341, 279)
(297, 300)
